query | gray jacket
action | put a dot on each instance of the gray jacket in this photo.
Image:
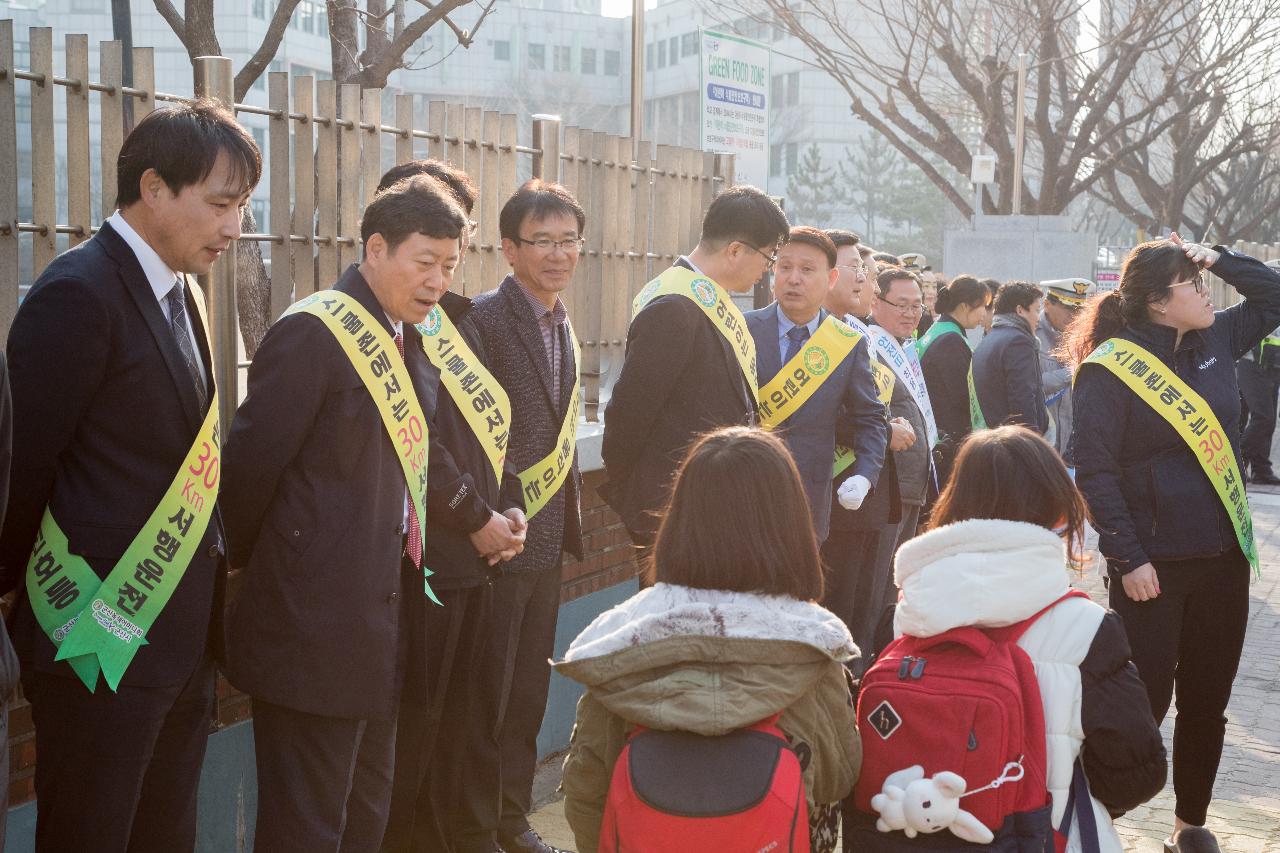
(1057, 387)
(914, 463)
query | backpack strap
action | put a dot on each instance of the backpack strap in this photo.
(1014, 633)
(1080, 806)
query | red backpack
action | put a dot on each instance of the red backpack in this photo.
(966, 701)
(678, 792)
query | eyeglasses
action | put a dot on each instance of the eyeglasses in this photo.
(1201, 286)
(860, 272)
(571, 246)
(772, 259)
(908, 310)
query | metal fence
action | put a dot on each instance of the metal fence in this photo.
(325, 152)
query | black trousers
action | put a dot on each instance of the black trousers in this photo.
(514, 678)
(856, 583)
(1260, 390)
(324, 783)
(440, 714)
(118, 771)
(1190, 638)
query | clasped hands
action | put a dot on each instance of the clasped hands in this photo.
(502, 536)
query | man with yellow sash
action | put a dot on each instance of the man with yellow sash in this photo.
(112, 535)
(474, 521)
(690, 361)
(528, 345)
(326, 475)
(816, 387)
(856, 582)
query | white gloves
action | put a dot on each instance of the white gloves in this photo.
(853, 491)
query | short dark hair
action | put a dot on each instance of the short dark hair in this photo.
(844, 238)
(182, 143)
(464, 192)
(993, 285)
(739, 520)
(1012, 474)
(889, 275)
(536, 200)
(747, 215)
(1016, 294)
(415, 205)
(813, 237)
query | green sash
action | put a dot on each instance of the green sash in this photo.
(945, 327)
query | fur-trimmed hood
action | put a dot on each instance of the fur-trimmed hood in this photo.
(985, 573)
(706, 661)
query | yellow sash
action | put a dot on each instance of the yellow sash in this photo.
(884, 380)
(805, 372)
(716, 304)
(480, 398)
(1193, 420)
(373, 354)
(540, 481)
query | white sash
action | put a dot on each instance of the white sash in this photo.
(909, 373)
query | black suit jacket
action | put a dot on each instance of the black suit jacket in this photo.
(680, 379)
(510, 343)
(105, 411)
(313, 495)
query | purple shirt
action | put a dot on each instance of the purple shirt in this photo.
(549, 323)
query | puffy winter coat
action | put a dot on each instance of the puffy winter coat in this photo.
(709, 662)
(991, 574)
(1148, 495)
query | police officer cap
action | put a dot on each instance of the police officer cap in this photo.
(914, 261)
(1071, 292)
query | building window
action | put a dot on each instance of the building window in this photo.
(662, 54)
(689, 44)
(689, 105)
(785, 89)
(793, 157)
(563, 58)
(674, 51)
(260, 212)
(588, 60)
(538, 57)
(648, 56)
(775, 159)
(612, 63)
(260, 9)
(502, 51)
(260, 137)
(793, 88)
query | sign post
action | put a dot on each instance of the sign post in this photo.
(734, 84)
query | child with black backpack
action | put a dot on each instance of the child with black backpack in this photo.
(1007, 715)
(717, 715)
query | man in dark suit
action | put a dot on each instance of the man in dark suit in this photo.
(681, 377)
(322, 507)
(525, 338)
(112, 383)
(844, 409)
(474, 521)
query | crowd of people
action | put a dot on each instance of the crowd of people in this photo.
(856, 511)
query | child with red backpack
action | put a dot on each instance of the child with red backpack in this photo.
(717, 717)
(1007, 715)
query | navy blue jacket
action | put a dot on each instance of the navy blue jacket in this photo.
(844, 409)
(1148, 495)
(1006, 375)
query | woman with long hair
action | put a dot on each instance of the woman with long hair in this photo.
(730, 634)
(946, 357)
(997, 552)
(1156, 438)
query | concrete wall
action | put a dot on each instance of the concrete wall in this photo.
(1031, 248)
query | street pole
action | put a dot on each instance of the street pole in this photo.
(637, 74)
(1019, 133)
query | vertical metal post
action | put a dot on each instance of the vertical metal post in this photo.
(214, 79)
(1020, 133)
(637, 74)
(546, 140)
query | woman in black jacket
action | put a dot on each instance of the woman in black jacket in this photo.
(1006, 365)
(945, 357)
(1178, 570)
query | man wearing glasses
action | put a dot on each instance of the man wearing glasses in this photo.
(526, 340)
(912, 431)
(686, 373)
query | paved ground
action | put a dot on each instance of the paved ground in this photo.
(1246, 813)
